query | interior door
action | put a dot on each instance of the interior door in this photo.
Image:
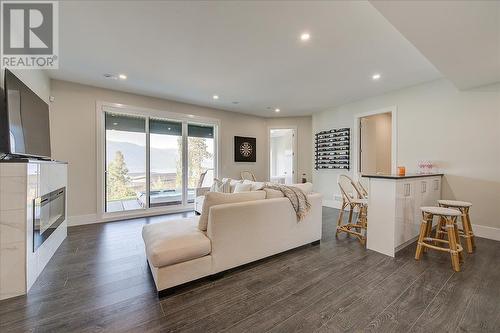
(282, 155)
(367, 149)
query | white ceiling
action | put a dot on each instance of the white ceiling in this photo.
(461, 38)
(248, 52)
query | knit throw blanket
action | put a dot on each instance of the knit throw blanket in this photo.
(297, 198)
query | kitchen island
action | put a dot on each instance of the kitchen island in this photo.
(394, 208)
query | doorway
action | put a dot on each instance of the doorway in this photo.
(282, 155)
(375, 144)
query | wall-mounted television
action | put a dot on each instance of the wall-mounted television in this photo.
(24, 120)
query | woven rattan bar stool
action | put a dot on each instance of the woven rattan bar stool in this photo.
(354, 199)
(452, 245)
(466, 231)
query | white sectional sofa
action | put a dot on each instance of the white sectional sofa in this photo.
(237, 233)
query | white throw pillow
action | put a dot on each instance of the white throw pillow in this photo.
(214, 199)
(242, 187)
(221, 186)
(232, 183)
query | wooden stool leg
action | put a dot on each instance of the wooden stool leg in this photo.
(467, 230)
(452, 239)
(428, 230)
(421, 236)
(457, 237)
(341, 217)
(351, 211)
(473, 239)
(364, 221)
(439, 228)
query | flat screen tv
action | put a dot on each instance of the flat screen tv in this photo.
(24, 120)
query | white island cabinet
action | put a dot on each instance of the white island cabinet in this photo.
(394, 214)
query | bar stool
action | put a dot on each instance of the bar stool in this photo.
(352, 198)
(466, 231)
(449, 216)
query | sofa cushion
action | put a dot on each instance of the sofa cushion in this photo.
(171, 242)
(242, 187)
(255, 185)
(214, 199)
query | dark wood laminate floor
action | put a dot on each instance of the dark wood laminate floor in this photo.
(98, 281)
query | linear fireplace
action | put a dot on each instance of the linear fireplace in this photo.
(49, 211)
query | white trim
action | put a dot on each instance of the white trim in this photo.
(184, 166)
(394, 138)
(486, 232)
(295, 152)
(101, 108)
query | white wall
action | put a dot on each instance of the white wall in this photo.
(73, 137)
(458, 130)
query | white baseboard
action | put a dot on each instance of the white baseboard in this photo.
(486, 232)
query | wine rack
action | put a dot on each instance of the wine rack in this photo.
(332, 149)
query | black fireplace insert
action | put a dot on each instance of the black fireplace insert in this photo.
(49, 211)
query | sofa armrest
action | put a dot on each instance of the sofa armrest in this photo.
(247, 231)
(199, 191)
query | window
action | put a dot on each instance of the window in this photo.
(154, 162)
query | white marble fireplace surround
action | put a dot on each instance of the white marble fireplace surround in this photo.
(20, 183)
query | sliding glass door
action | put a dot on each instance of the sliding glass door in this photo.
(152, 162)
(125, 163)
(201, 158)
(165, 156)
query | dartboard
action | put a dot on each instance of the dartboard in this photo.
(246, 149)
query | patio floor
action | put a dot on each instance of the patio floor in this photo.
(122, 205)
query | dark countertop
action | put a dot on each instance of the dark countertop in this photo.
(409, 175)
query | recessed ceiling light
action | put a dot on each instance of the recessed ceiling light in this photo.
(215, 96)
(305, 36)
(122, 76)
(277, 110)
(114, 124)
(376, 76)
